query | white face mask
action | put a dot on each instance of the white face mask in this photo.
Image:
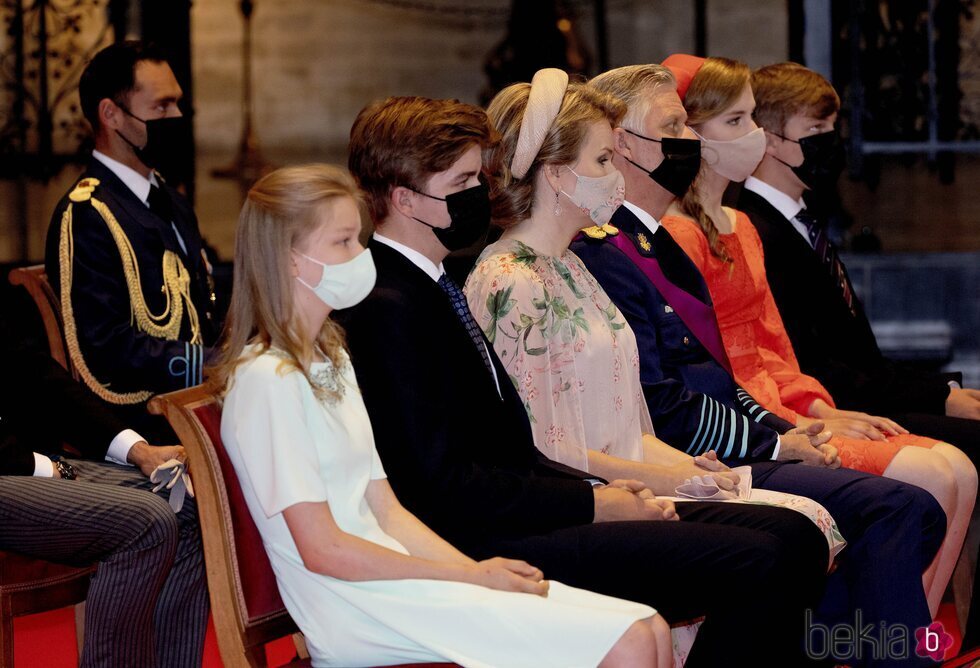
(346, 284)
(735, 159)
(598, 197)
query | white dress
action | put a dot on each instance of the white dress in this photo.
(289, 448)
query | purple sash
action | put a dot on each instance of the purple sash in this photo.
(698, 316)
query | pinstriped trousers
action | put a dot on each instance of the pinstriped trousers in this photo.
(147, 604)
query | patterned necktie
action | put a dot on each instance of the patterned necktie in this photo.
(458, 300)
(817, 234)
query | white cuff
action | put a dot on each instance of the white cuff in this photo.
(43, 467)
(120, 446)
(775, 452)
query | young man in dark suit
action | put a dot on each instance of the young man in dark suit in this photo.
(124, 251)
(693, 399)
(148, 603)
(824, 318)
(455, 439)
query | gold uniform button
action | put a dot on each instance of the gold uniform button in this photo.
(687, 341)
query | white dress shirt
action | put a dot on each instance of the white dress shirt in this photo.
(415, 257)
(137, 183)
(782, 202)
(648, 221)
(117, 453)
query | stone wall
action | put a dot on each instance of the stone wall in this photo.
(317, 62)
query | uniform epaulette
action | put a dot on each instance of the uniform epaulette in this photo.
(600, 231)
(83, 190)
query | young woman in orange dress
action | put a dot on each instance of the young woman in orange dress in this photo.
(724, 245)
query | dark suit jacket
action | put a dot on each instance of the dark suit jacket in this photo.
(457, 456)
(119, 355)
(693, 401)
(831, 344)
(41, 407)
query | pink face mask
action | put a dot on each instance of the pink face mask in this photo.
(735, 159)
(598, 197)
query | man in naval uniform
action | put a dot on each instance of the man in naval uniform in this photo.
(124, 252)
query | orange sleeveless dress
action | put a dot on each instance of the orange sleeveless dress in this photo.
(760, 352)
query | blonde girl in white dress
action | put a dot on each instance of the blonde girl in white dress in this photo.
(364, 579)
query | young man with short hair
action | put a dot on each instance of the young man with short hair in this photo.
(823, 316)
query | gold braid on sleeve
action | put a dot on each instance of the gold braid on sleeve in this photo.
(176, 287)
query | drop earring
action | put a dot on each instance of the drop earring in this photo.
(557, 209)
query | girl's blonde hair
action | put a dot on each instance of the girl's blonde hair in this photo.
(281, 210)
(716, 87)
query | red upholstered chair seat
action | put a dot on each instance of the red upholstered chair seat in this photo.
(28, 586)
(258, 582)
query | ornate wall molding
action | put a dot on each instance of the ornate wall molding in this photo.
(44, 45)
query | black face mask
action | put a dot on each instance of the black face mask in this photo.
(469, 213)
(168, 142)
(823, 159)
(680, 166)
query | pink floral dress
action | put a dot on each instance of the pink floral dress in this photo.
(567, 349)
(574, 361)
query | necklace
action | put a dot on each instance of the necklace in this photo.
(326, 382)
(328, 386)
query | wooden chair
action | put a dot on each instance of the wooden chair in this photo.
(31, 585)
(35, 281)
(248, 611)
(27, 585)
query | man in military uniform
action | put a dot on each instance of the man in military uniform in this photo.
(124, 251)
